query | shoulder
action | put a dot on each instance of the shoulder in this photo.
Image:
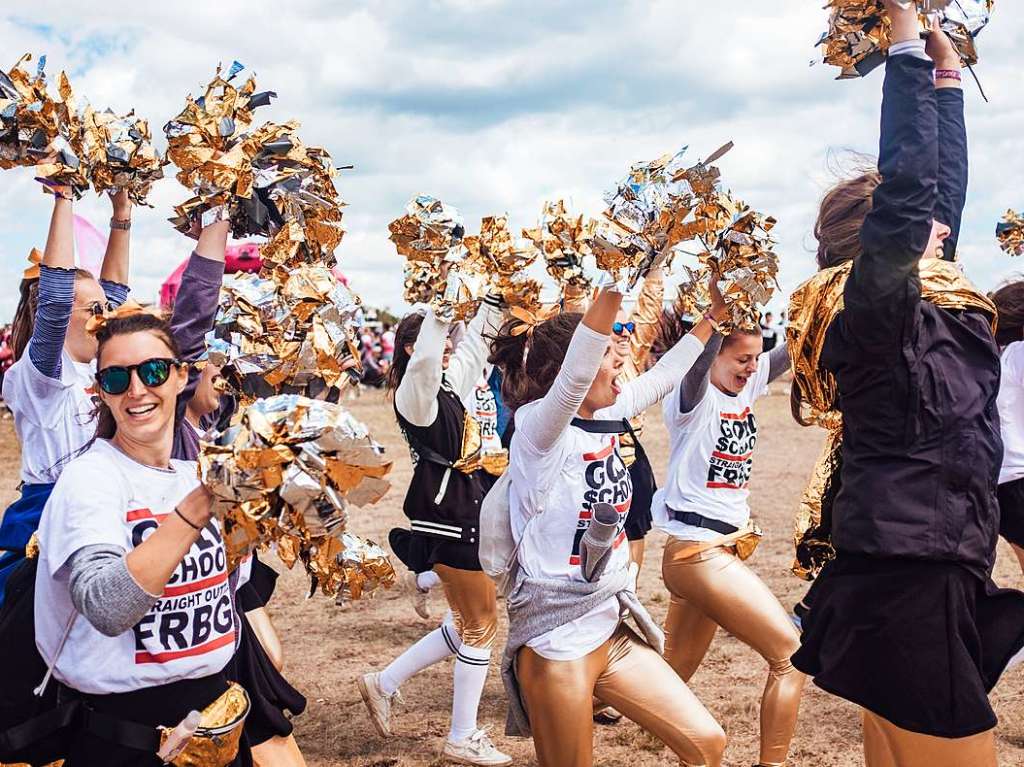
(99, 461)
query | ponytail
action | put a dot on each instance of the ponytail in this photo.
(529, 362)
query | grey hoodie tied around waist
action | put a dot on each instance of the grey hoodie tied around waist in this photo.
(539, 605)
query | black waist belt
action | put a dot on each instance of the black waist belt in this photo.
(699, 520)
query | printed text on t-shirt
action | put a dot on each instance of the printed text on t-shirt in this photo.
(731, 460)
(607, 480)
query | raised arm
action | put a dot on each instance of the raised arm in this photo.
(195, 306)
(542, 425)
(416, 396)
(56, 290)
(953, 173)
(647, 316)
(883, 284)
(469, 360)
(695, 383)
(114, 272)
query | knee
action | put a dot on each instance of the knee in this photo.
(712, 741)
(480, 632)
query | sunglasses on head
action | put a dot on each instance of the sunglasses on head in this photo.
(152, 372)
(97, 308)
(623, 328)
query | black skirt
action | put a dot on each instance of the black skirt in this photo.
(639, 520)
(919, 643)
(1011, 511)
(270, 693)
(165, 705)
(420, 552)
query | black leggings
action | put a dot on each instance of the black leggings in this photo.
(154, 706)
(1011, 511)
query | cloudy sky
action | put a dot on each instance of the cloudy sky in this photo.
(496, 106)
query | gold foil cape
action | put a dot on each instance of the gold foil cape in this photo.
(858, 35)
(1010, 233)
(812, 308)
(264, 180)
(288, 473)
(291, 329)
(440, 270)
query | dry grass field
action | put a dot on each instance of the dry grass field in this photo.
(327, 648)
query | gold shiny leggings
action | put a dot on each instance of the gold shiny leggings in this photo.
(624, 673)
(473, 601)
(886, 745)
(714, 588)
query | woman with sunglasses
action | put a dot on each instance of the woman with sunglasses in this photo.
(258, 662)
(567, 642)
(49, 386)
(134, 608)
(434, 392)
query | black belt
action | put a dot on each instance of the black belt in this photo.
(699, 520)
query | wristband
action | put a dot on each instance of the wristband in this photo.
(122, 224)
(948, 74)
(710, 318)
(186, 520)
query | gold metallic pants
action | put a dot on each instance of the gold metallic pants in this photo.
(714, 588)
(624, 673)
(474, 604)
(886, 745)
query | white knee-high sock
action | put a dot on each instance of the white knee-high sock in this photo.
(426, 580)
(471, 665)
(439, 644)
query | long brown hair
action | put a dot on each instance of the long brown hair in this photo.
(530, 361)
(1009, 301)
(841, 216)
(25, 315)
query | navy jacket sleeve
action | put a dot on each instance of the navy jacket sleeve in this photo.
(884, 288)
(949, 206)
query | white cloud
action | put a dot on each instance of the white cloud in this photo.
(496, 106)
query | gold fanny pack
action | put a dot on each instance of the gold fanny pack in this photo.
(215, 743)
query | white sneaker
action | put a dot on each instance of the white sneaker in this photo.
(378, 703)
(477, 749)
(417, 596)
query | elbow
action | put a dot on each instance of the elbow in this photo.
(109, 627)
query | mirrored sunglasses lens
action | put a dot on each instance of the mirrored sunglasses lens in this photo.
(114, 380)
(154, 372)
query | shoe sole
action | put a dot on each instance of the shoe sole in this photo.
(463, 760)
(364, 691)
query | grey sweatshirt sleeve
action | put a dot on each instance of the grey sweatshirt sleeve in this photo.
(695, 383)
(778, 362)
(104, 591)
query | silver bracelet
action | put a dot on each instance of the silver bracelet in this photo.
(122, 224)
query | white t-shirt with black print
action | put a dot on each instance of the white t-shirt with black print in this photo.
(711, 457)
(484, 409)
(105, 497)
(553, 490)
(53, 418)
(1011, 412)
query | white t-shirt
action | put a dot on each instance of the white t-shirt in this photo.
(1011, 412)
(104, 497)
(564, 483)
(712, 454)
(484, 409)
(52, 418)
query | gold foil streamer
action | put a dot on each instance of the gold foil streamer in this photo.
(28, 115)
(293, 329)
(1010, 233)
(742, 257)
(439, 269)
(119, 152)
(859, 31)
(264, 180)
(496, 251)
(813, 306)
(287, 473)
(564, 240)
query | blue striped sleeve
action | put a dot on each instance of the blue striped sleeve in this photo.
(115, 292)
(53, 313)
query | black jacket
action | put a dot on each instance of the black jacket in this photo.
(917, 384)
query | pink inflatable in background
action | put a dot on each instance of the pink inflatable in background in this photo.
(244, 257)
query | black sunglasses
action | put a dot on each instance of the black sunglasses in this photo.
(97, 308)
(152, 372)
(619, 327)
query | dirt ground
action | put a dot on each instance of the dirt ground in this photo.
(327, 648)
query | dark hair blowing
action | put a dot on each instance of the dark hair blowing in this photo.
(529, 362)
(406, 333)
(142, 322)
(1009, 301)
